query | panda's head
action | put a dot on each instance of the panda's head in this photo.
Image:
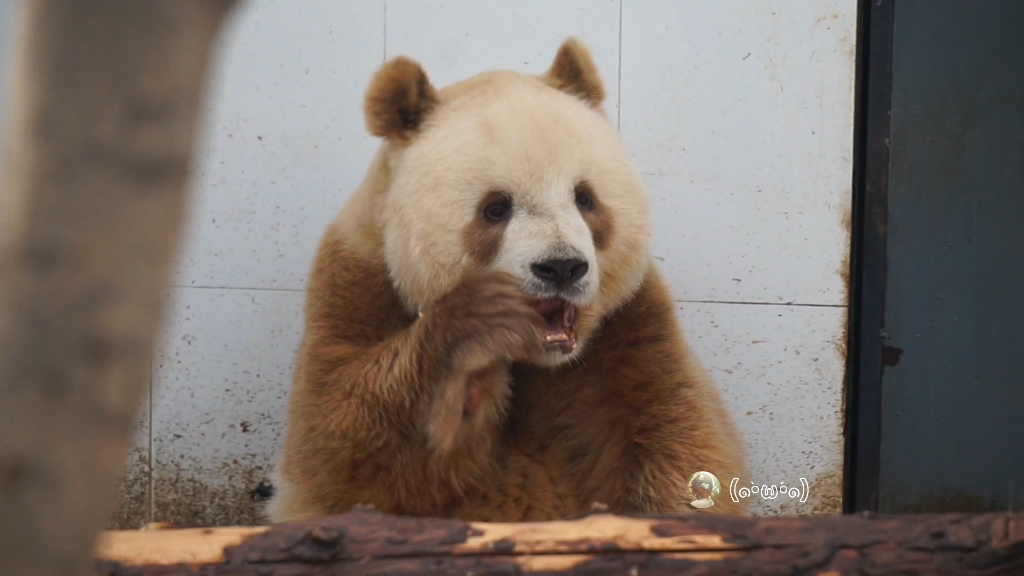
(512, 172)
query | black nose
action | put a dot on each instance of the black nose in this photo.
(560, 272)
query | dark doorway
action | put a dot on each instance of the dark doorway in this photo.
(936, 396)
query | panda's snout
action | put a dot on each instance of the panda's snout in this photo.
(560, 273)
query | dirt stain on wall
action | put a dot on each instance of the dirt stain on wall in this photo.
(200, 497)
(842, 344)
(131, 511)
(825, 497)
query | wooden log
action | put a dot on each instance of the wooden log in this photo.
(106, 100)
(366, 542)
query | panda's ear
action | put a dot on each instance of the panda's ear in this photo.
(574, 72)
(399, 99)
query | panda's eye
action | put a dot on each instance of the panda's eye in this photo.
(498, 211)
(584, 197)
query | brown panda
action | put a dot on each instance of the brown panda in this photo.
(487, 336)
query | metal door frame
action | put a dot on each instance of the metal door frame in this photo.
(866, 345)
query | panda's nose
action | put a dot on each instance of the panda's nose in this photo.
(560, 273)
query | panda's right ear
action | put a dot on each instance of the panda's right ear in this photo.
(399, 99)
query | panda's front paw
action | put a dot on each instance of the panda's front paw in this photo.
(466, 410)
(487, 319)
(479, 328)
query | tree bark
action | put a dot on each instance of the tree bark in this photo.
(366, 542)
(106, 102)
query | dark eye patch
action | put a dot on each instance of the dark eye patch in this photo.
(498, 210)
(584, 197)
(597, 216)
(483, 236)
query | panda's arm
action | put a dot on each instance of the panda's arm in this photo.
(398, 412)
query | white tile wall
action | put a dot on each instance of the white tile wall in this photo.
(743, 111)
(739, 115)
(284, 141)
(456, 39)
(781, 370)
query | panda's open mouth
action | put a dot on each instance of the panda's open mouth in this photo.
(560, 316)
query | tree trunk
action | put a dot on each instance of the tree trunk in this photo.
(365, 542)
(105, 108)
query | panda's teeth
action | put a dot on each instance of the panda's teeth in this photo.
(560, 317)
(556, 337)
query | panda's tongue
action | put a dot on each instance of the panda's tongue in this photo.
(560, 317)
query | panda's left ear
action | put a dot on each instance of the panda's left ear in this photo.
(399, 100)
(574, 72)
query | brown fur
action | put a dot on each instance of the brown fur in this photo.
(434, 411)
(636, 416)
(380, 389)
(400, 97)
(573, 71)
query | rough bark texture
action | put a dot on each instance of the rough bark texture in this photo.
(105, 108)
(366, 542)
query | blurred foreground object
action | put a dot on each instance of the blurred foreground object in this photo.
(105, 106)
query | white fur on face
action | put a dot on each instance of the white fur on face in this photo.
(512, 134)
(546, 225)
